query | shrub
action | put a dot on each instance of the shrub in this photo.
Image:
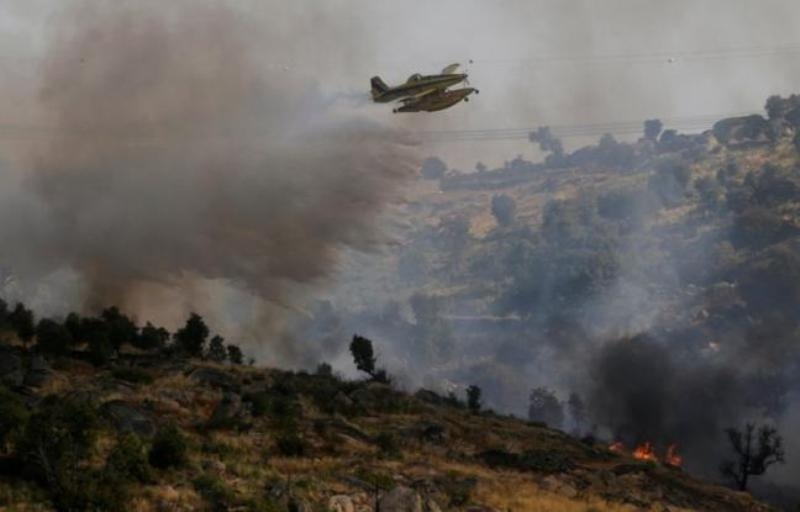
(324, 370)
(290, 444)
(56, 443)
(387, 443)
(433, 168)
(13, 416)
(128, 460)
(503, 208)
(214, 490)
(260, 403)
(169, 448)
(52, 337)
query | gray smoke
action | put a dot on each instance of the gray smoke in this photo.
(178, 162)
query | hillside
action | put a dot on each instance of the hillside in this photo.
(264, 439)
(638, 294)
(657, 281)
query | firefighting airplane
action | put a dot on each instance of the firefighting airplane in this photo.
(427, 93)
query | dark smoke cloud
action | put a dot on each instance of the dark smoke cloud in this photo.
(646, 391)
(178, 159)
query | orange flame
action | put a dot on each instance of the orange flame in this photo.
(672, 458)
(645, 452)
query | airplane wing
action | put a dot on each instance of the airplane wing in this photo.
(449, 70)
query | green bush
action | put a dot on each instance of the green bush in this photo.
(52, 337)
(388, 445)
(55, 447)
(260, 403)
(169, 448)
(213, 490)
(128, 459)
(13, 416)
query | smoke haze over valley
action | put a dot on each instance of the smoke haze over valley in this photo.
(223, 157)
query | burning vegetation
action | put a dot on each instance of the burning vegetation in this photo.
(646, 451)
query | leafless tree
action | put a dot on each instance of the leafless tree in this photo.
(754, 453)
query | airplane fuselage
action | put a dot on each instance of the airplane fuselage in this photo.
(416, 86)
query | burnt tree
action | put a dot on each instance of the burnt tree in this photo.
(754, 454)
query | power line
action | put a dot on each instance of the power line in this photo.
(661, 56)
(567, 131)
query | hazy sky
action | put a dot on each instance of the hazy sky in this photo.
(535, 61)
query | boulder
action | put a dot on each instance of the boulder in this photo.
(128, 417)
(229, 412)
(401, 499)
(341, 503)
(214, 378)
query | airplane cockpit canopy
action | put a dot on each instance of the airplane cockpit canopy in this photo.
(416, 77)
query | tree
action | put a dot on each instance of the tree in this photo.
(95, 333)
(754, 456)
(216, 349)
(363, 356)
(191, 338)
(121, 329)
(503, 208)
(545, 407)
(774, 107)
(324, 370)
(474, 398)
(21, 320)
(52, 337)
(235, 355)
(151, 337)
(433, 168)
(577, 411)
(73, 325)
(3, 315)
(652, 129)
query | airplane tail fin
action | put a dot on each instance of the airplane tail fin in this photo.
(378, 86)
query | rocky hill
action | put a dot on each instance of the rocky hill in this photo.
(154, 433)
